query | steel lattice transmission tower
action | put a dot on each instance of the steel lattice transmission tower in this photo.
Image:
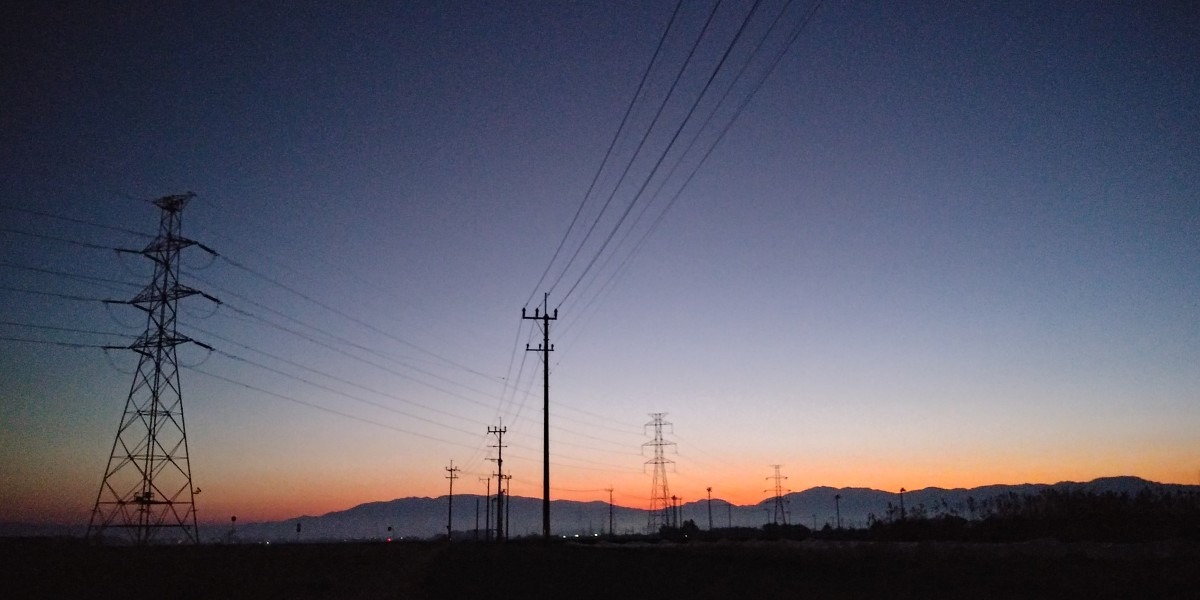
(147, 486)
(780, 510)
(660, 494)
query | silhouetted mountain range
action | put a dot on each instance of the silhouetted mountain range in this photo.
(426, 517)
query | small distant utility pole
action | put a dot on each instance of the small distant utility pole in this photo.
(610, 511)
(453, 474)
(507, 505)
(837, 505)
(499, 433)
(545, 348)
(710, 508)
(487, 507)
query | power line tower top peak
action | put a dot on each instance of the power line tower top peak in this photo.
(174, 203)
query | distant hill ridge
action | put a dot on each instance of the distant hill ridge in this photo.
(424, 517)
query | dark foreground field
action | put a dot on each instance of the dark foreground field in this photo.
(60, 569)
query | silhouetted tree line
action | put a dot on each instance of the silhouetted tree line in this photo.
(1066, 515)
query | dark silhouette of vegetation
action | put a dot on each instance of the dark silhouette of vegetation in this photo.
(1065, 515)
(686, 531)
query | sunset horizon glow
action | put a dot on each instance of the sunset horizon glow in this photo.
(880, 245)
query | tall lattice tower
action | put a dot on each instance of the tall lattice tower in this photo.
(780, 508)
(660, 494)
(147, 486)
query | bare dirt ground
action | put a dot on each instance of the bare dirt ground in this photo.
(44, 568)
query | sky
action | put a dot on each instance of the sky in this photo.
(886, 245)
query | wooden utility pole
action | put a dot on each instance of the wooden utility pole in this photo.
(453, 474)
(487, 507)
(545, 348)
(499, 433)
(710, 508)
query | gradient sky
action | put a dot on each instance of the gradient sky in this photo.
(945, 244)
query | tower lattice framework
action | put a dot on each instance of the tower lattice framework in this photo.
(660, 493)
(147, 487)
(781, 513)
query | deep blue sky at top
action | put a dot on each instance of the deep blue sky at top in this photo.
(964, 230)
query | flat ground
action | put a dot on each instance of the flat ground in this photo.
(43, 568)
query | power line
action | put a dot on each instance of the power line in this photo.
(663, 157)
(624, 173)
(51, 294)
(368, 362)
(687, 150)
(66, 329)
(608, 153)
(801, 25)
(348, 343)
(51, 343)
(68, 275)
(343, 394)
(342, 379)
(326, 409)
(365, 388)
(79, 221)
(355, 320)
(56, 239)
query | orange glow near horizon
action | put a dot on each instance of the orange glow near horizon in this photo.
(634, 491)
(256, 496)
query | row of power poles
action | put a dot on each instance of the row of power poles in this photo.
(503, 482)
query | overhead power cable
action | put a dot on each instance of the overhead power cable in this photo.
(75, 276)
(79, 221)
(368, 362)
(356, 320)
(637, 151)
(674, 138)
(66, 329)
(608, 153)
(52, 343)
(326, 409)
(51, 294)
(607, 285)
(343, 394)
(56, 239)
